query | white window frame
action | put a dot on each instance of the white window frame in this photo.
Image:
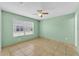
(24, 24)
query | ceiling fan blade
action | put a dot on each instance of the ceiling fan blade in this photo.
(44, 13)
(40, 11)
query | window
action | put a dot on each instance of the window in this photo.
(21, 28)
(28, 28)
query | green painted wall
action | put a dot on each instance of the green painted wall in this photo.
(78, 29)
(59, 28)
(0, 29)
(7, 34)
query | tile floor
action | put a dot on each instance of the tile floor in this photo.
(40, 47)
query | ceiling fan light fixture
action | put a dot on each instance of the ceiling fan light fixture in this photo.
(39, 14)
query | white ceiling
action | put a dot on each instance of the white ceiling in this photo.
(29, 8)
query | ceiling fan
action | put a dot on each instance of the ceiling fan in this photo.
(41, 13)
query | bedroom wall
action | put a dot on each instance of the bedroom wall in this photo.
(78, 30)
(59, 28)
(7, 33)
(0, 31)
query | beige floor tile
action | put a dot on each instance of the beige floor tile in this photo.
(40, 47)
